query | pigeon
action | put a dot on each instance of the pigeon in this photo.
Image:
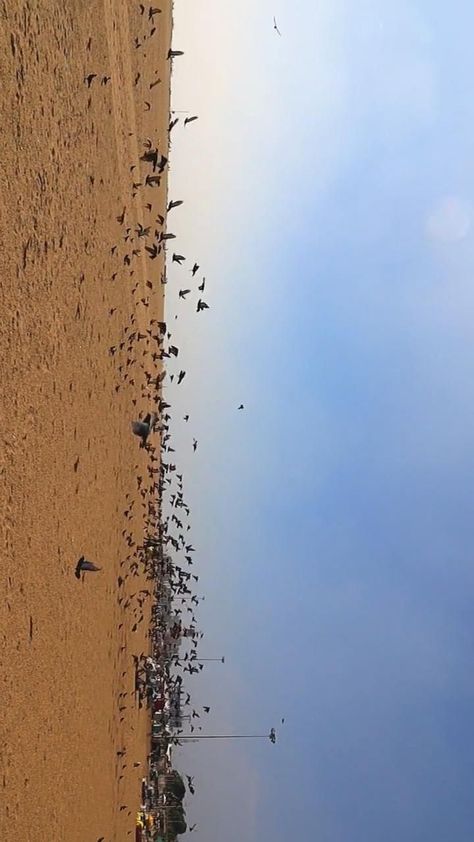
(194, 269)
(152, 180)
(174, 53)
(201, 305)
(83, 565)
(153, 251)
(142, 429)
(178, 258)
(190, 119)
(183, 293)
(174, 204)
(201, 286)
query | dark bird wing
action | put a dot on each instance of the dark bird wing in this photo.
(90, 566)
(78, 569)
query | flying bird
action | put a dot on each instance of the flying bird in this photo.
(195, 444)
(201, 305)
(241, 406)
(153, 251)
(142, 429)
(175, 204)
(152, 180)
(174, 53)
(178, 258)
(83, 566)
(275, 26)
(190, 119)
(201, 286)
(194, 269)
(181, 376)
(151, 157)
(89, 79)
(183, 293)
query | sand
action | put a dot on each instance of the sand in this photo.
(67, 456)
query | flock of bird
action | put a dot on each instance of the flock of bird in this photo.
(142, 355)
(140, 352)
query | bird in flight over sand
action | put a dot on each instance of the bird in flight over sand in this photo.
(83, 565)
(153, 251)
(143, 428)
(275, 26)
(89, 79)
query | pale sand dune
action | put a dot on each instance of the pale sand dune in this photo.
(67, 455)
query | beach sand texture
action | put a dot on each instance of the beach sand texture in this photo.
(67, 455)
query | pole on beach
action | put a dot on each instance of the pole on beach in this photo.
(271, 736)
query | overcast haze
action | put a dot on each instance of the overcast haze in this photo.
(328, 188)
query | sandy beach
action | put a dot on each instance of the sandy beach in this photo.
(68, 459)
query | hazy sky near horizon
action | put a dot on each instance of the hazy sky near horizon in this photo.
(329, 188)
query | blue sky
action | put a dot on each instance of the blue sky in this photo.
(329, 188)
